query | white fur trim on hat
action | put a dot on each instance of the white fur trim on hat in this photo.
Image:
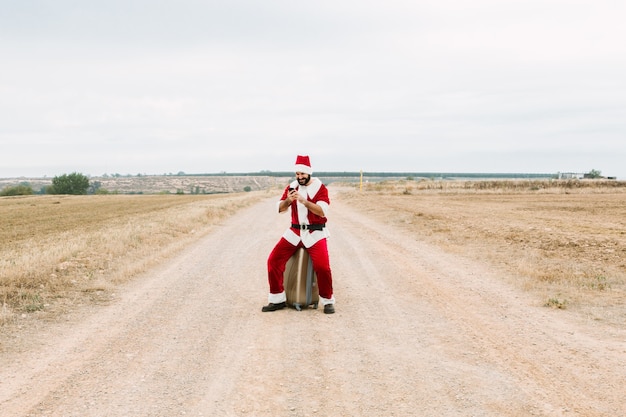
(304, 168)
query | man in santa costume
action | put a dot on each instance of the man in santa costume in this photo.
(308, 199)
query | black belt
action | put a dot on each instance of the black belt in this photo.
(308, 226)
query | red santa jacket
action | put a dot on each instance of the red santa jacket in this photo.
(317, 193)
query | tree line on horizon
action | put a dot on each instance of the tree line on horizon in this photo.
(79, 184)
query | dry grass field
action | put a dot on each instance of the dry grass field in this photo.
(59, 251)
(563, 240)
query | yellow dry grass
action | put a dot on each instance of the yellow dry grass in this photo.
(563, 240)
(59, 251)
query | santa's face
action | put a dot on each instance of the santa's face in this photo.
(303, 179)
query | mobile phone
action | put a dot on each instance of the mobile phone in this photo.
(291, 189)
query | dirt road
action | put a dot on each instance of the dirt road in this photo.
(417, 332)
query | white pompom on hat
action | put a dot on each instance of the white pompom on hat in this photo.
(303, 164)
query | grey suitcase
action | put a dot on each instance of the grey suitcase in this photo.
(300, 281)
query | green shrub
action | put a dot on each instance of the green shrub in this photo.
(17, 190)
(74, 183)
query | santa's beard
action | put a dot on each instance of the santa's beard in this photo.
(305, 180)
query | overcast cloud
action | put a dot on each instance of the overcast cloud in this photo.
(153, 87)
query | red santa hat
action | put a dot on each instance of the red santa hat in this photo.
(303, 164)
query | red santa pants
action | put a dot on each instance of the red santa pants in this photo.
(319, 257)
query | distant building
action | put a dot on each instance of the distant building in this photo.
(570, 176)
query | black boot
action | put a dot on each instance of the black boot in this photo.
(274, 307)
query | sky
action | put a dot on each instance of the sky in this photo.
(161, 86)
